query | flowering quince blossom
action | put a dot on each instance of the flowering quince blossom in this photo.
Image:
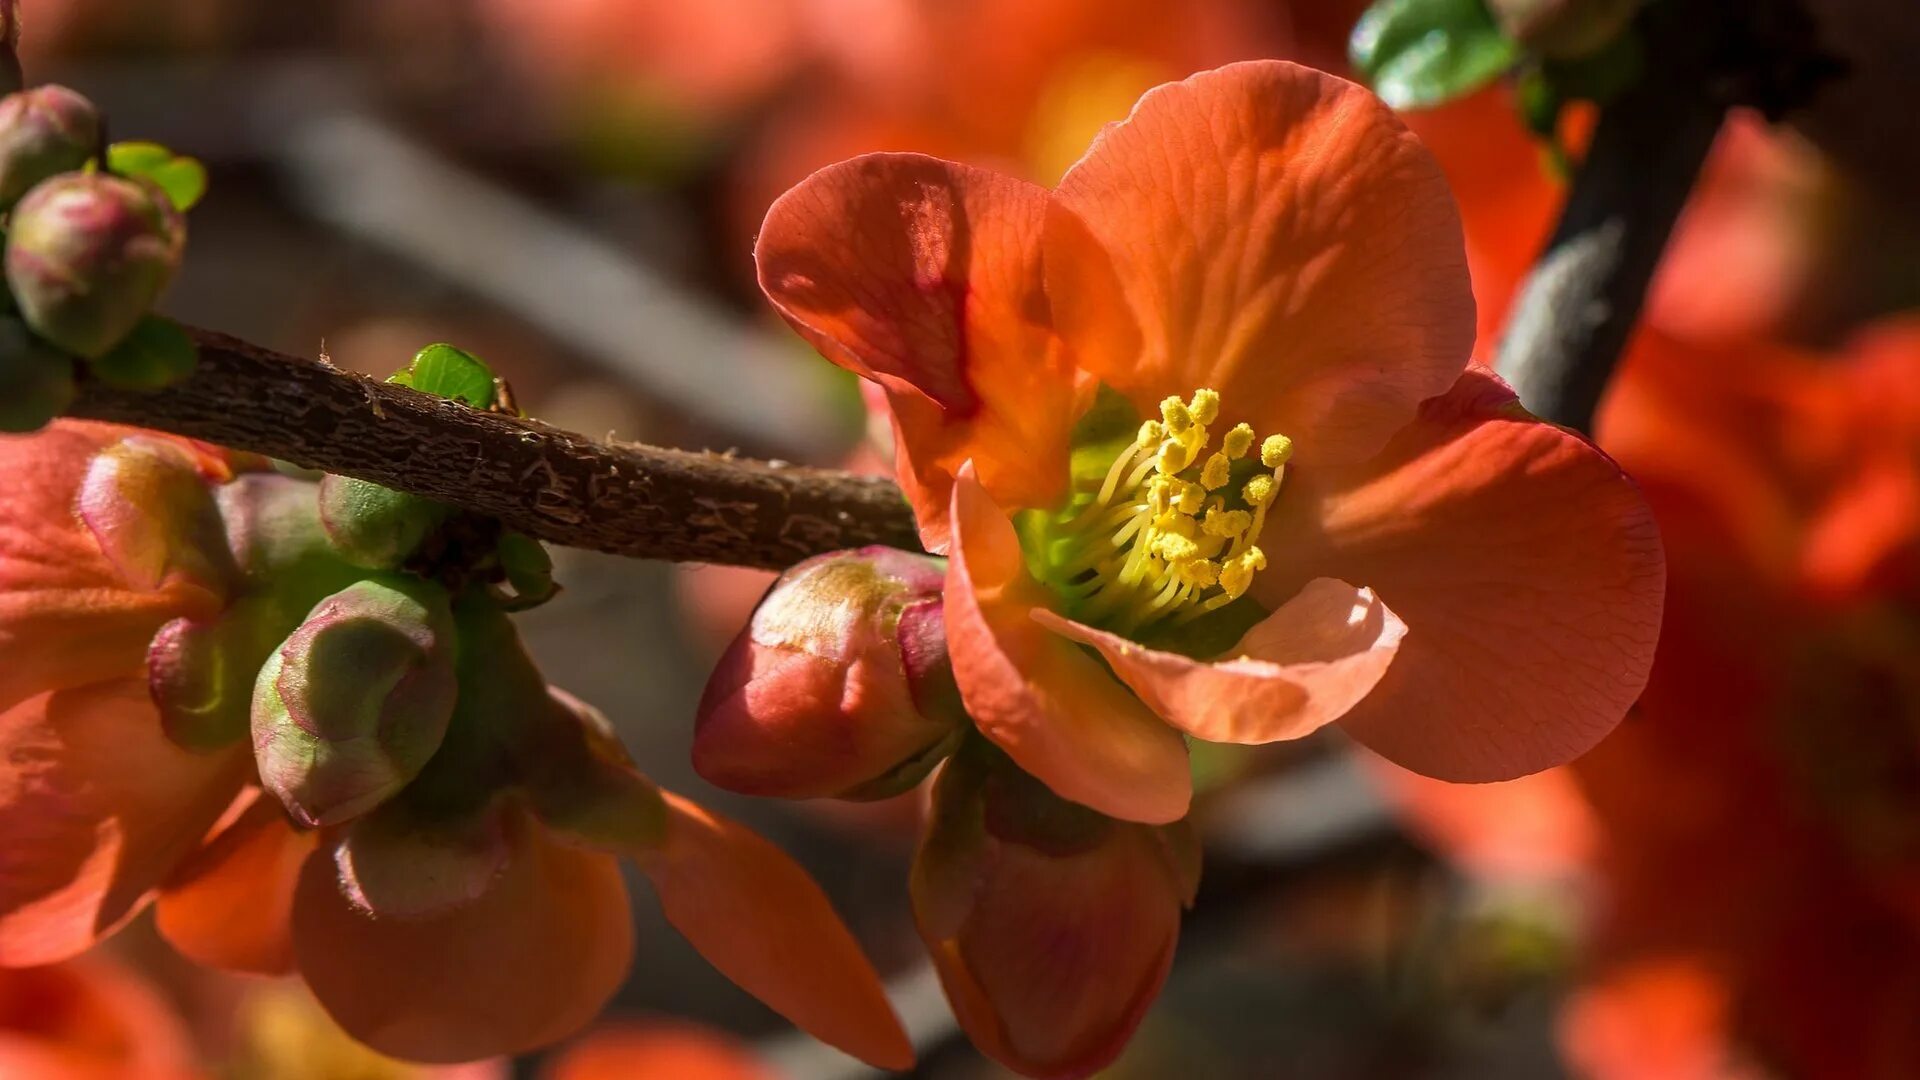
(1198, 434)
(436, 847)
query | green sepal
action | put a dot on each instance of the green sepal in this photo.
(182, 179)
(36, 379)
(445, 371)
(155, 355)
(1421, 53)
(529, 570)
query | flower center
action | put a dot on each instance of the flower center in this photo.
(1170, 532)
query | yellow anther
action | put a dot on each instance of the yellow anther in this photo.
(1215, 474)
(1226, 522)
(1191, 498)
(1200, 573)
(1174, 456)
(1259, 491)
(1151, 432)
(1175, 549)
(1275, 450)
(1175, 413)
(1238, 573)
(1237, 442)
(1205, 406)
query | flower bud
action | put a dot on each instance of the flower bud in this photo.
(352, 706)
(1052, 926)
(36, 381)
(396, 861)
(1564, 29)
(44, 131)
(373, 526)
(150, 503)
(87, 256)
(839, 686)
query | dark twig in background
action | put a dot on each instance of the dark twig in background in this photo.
(626, 499)
(1576, 311)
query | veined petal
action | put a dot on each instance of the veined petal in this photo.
(924, 276)
(1053, 708)
(1525, 564)
(1298, 669)
(97, 808)
(1276, 234)
(757, 917)
(531, 960)
(230, 905)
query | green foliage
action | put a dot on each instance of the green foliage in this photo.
(183, 179)
(1421, 53)
(448, 372)
(529, 570)
(156, 354)
(36, 380)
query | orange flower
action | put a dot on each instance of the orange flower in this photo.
(1268, 268)
(88, 1020)
(472, 906)
(655, 1048)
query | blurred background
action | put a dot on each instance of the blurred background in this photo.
(569, 188)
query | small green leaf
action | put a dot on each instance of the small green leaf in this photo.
(1421, 53)
(529, 570)
(156, 354)
(182, 179)
(449, 372)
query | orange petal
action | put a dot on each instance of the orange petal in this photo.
(1297, 670)
(1272, 232)
(230, 906)
(97, 808)
(671, 1051)
(67, 614)
(757, 917)
(1052, 928)
(1526, 566)
(1052, 707)
(89, 1019)
(530, 961)
(924, 276)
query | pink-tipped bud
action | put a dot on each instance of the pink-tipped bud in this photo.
(36, 380)
(44, 132)
(87, 256)
(1564, 29)
(351, 708)
(1052, 926)
(839, 686)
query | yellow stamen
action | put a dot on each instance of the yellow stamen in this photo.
(1216, 473)
(1275, 451)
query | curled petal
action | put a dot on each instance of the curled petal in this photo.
(924, 276)
(531, 960)
(1276, 234)
(1053, 708)
(1297, 670)
(1526, 566)
(230, 906)
(97, 808)
(757, 916)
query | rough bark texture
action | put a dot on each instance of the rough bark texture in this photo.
(1577, 309)
(626, 499)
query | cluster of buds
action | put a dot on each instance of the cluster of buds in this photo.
(90, 247)
(1052, 926)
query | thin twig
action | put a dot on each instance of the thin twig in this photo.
(1577, 309)
(626, 499)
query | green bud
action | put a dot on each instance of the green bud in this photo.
(352, 707)
(44, 131)
(373, 526)
(36, 380)
(88, 255)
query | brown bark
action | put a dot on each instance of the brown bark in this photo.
(623, 498)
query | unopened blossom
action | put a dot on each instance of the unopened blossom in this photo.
(1205, 409)
(177, 633)
(1052, 926)
(839, 685)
